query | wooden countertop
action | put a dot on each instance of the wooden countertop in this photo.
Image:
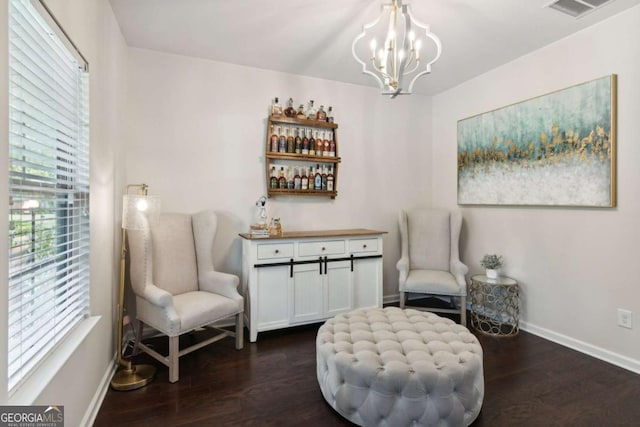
(352, 232)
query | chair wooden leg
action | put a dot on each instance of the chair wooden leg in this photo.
(463, 310)
(174, 359)
(401, 299)
(239, 331)
(138, 337)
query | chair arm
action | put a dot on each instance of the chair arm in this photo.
(403, 268)
(157, 296)
(221, 283)
(458, 269)
(158, 310)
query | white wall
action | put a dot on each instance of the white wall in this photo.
(575, 266)
(197, 130)
(92, 26)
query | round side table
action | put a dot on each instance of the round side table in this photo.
(495, 309)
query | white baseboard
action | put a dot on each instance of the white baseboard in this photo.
(92, 411)
(389, 299)
(583, 347)
(605, 355)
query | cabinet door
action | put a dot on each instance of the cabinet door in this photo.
(307, 294)
(339, 287)
(273, 297)
(367, 283)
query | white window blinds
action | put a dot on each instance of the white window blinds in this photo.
(49, 189)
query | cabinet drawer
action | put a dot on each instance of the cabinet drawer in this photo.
(363, 245)
(275, 250)
(330, 247)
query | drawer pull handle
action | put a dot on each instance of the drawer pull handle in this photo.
(364, 246)
(277, 251)
(323, 248)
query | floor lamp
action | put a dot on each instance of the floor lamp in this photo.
(130, 376)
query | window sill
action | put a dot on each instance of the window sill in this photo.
(38, 380)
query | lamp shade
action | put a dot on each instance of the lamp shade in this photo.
(134, 206)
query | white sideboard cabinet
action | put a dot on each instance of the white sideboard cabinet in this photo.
(308, 276)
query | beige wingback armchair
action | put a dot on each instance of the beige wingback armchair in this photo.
(177, 289)
(430, 260)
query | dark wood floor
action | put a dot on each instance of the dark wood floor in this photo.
(528, 382)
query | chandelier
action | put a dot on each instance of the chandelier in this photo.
(398, 57)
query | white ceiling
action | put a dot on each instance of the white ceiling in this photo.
(313, 37)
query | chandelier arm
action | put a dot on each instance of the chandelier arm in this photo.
(427, 69)
(415, 67)
(392, 40)
(362, 63)
(410, 60)
(382, 73)
(405, 46)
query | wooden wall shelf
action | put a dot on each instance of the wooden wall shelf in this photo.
(287, 161)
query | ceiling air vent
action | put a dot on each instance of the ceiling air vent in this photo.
(577, 8)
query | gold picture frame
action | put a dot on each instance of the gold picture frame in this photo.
(557, 149)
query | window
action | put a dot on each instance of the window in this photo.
(49, 189)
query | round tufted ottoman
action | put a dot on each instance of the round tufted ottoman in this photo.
(393, 367)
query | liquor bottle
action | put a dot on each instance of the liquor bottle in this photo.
(330, 115)
(325, 148)
(317, 178)
(298, 141)
(330, 179)
(304, 181)
(276, 108)
(319, 143)
(282, 140)
(273, 180)
(301, 114)
(312, 179)
(291, 147)
(312, 145)
(274, 139)
(282, 181)
(311, 111)
(290, 183)
(290, 111)
(321, 115)
(305, 142)
(332, 145)
(296, 179)
(324, 177)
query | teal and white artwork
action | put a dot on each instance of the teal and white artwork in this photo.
(554, 150)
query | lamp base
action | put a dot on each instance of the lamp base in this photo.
(130, 379)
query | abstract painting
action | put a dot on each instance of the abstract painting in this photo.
(557, 149)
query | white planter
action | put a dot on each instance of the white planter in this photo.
(492, 273)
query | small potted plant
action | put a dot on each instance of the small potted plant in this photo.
(492, 265)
